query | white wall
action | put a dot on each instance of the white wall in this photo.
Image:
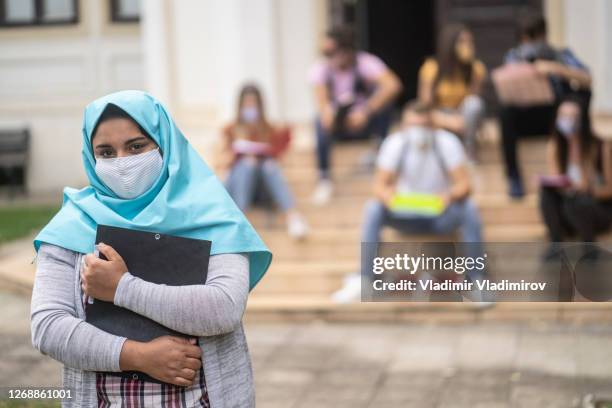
(588, 32)
(217, 45)
(49, 74)
(196, 55)
(192, 54)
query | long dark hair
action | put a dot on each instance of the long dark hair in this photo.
(589, 145)
(446, 56)
(251, 89)
(263, 126)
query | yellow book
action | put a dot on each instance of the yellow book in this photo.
(418, 204)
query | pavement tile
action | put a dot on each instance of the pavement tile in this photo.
(554, 353)
(482, 365)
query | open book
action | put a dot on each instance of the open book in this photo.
(417, 204)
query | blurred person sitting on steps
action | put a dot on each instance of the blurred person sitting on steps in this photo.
(576, 197)
(249, 146)
(353, 92)
(452, 82)
(419, 159)
(567, 74)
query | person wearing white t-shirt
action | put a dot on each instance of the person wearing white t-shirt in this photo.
(433, 162)
(419, 159)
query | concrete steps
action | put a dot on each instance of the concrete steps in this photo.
(283, 308)
(304, 274)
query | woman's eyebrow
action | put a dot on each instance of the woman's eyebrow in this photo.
(139, 138)
(102, 146)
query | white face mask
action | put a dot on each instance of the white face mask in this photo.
(567, 126)
(420, 136)
(249, 114)
(130, 176)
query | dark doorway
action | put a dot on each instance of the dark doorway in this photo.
(495, 27)
(493, 22)
(403, 32)
(410, 25)
(400, 32)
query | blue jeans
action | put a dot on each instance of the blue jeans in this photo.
(462, 215)
(473, 110)
(249, 174)
(377, 125)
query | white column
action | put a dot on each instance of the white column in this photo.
(219, 45)
(300, 28)
(588, 33)
(605, 100)
(554, 13)
(156, 38)
(199, 52)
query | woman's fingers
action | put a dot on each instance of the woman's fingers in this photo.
(181, 381)
(187, 373)
(193, 363)
(90, 259)
(193, 351)
(181, 340)
(83, 283)
(108, 251)
(86, 272)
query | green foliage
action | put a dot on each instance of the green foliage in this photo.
(17, 222)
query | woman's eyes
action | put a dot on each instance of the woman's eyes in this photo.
(134, 148)
(137, 146)
(106, 153)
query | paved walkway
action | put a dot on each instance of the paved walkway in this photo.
(371, 365)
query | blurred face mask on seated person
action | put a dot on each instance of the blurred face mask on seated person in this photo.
(568, 117)
(127, 161)
(464, 48)
(250, 108)
(418, 127)
(249, 114)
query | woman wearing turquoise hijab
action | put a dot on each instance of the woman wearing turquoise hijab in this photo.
(144, 175)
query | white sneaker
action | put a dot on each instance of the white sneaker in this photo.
(297, 228)
(350, 292)
(323, 192)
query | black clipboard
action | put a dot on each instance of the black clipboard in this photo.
(154, 257)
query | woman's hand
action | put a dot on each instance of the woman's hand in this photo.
(174, 360)
(99, 278)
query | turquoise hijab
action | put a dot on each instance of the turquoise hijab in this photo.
(186, 200)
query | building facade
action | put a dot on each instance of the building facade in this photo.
(194, 54)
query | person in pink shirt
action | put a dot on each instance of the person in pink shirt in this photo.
(353, 91)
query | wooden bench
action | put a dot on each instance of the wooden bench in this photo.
(14, 152)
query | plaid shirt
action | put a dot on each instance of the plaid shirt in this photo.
(121, 392)
(114, 391)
